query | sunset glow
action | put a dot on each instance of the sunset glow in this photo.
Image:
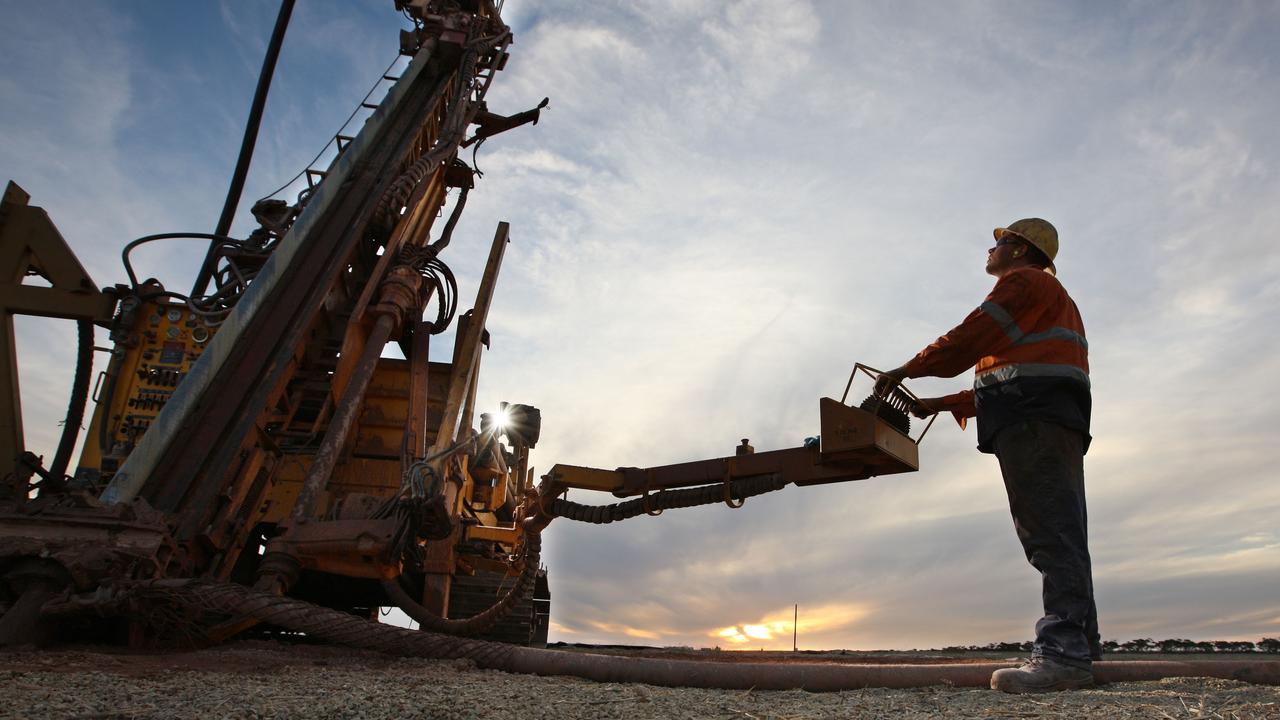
(775, 631)
(628, 631)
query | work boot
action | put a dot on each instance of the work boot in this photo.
(1041, 674)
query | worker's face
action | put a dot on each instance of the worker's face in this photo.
(1001, 256)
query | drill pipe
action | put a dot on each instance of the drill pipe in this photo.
(339, 627)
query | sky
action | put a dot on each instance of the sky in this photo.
(726, 206)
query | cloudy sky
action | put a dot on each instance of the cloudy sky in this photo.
(725, 207)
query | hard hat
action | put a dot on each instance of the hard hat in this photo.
(1037, 233)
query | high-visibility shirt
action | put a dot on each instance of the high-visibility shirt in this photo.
(1027, 345)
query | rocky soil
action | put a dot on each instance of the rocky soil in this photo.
(268, 680)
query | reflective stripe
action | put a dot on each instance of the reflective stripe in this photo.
(1009, 372)
(1056, 333)
(1003, 319)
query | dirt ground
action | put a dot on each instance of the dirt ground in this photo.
(262, 679)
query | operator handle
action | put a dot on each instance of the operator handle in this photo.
(899, 397)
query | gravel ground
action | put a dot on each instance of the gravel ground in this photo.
(264, 681)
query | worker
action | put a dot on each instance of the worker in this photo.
(1032, 402)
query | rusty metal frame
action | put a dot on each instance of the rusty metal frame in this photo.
(874, 374)
(797, 464)
(183, 480)
(856, 445)
(30, 244)
(440, 554)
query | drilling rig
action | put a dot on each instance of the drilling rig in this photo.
(251, 433)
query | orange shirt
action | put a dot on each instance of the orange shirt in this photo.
(1028, 327)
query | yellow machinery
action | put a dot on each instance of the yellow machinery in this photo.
(251, 433)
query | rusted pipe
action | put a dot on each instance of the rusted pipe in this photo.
(342, 628)
(834, 676)
(1259, 672)
(344, 416)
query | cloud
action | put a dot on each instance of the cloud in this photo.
(725, 318)
(63, 108)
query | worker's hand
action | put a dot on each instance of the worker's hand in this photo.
(889, 380)
(924, 407)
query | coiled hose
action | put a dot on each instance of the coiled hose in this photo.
(483, 621)
(736, 490)
(387, 213)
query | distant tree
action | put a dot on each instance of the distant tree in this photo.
(1009, 647)
(1139, 645)
(1173, 645)
(1205, 646)
(1244, 646)
(1110, 646)
(1269, 645)
(1232, 646)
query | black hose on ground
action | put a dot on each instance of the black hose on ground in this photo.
(483, 621)
(79, 396)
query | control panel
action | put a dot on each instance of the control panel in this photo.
(165, 341)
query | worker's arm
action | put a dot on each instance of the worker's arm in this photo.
(987, 330)
(960, 405)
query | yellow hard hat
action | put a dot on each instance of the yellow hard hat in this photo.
(1038, 233)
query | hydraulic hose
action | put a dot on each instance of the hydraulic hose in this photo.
(217, 238)
(451, 135)
(247, 143)
(79, 396)
(483, 621)
(447, 234)
(739, 490)
(345, 629)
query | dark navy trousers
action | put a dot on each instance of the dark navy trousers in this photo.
(1043, 467)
